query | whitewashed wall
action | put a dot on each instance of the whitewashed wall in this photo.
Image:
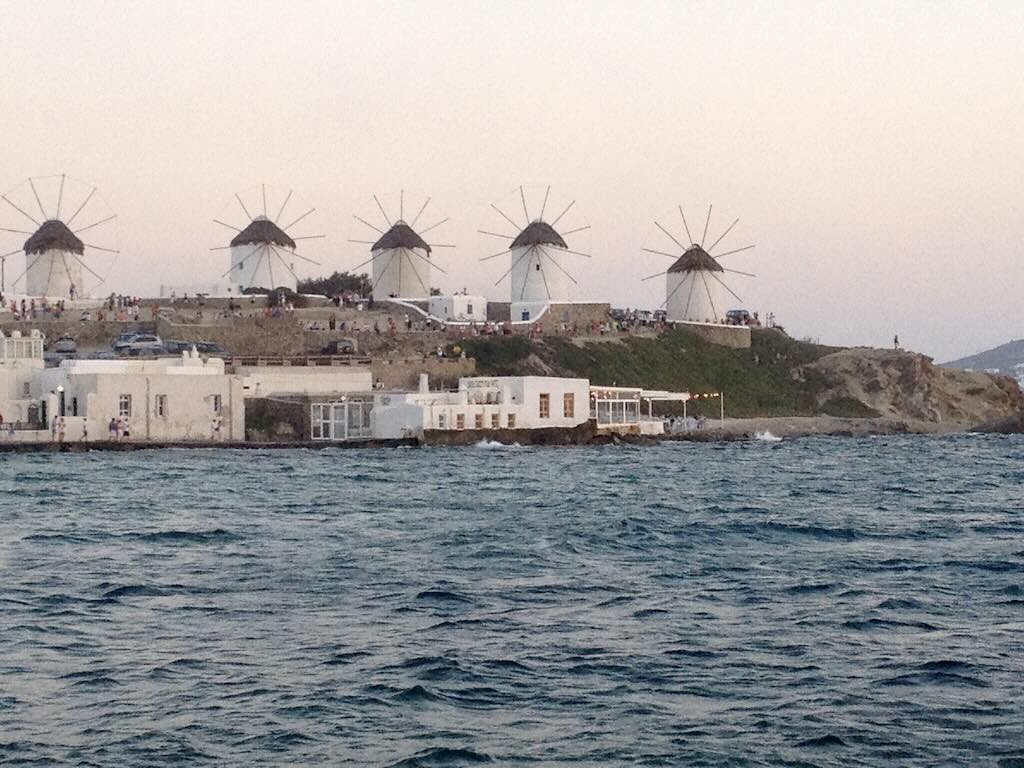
(536, 278)
(52, 273)
(399, 272)
(260, 267)
(686, 305)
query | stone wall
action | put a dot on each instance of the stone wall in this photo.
(277, 419)
(579, 316)
(247, 336)
(404, 374)
(732, 336)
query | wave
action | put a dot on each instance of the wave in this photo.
(494, 445)
(767, 437)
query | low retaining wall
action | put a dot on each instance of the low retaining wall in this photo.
(732, 336)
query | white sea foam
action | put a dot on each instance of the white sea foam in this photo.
(767, 437)
(494, 445)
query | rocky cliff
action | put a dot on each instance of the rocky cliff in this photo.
(904, 385)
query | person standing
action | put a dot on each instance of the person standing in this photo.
(112, 428)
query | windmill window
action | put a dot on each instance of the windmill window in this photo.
(537, 266)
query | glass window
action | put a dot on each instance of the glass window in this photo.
(511, 421)
(545, 405)
(216, 403)
(160, 405)
(124, 406)
(495, 421)
(569, 405)
(442, 421)
(460, 421)
(478, 421)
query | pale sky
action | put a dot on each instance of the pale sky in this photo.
(874, 152)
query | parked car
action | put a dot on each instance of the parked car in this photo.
(339, 347)
(211, 348)
(65, 345)
(144, 341)
(741, 317)
(122, 341)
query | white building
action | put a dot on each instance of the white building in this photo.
(275, 380)
(458, 308)
(262, 256)
(401, 264)
(165, 399)
(503, 402)
(694, 291)
(53, 262)
(21, 368)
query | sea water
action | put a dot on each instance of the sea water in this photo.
(807, 602)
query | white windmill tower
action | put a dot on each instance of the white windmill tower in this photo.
(694, 289)
(402, 261)
(55, 255)
(536, 252)
(263, 252)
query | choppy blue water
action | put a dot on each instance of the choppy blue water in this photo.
(817, 602)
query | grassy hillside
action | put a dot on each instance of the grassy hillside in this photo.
(756, 381)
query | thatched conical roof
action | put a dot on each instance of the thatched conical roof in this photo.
(263, 230)
(696, 259)
(54, 235)
(538, 233)
(401, 235)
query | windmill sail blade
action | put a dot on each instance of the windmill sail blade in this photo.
(505, 215)
(96, 224)
(433, 226)
(661, 253)
(16, 232)
(382, 213)
(364, 221)
(496, 234)
(651, 277)
(304, 258)
(730, 290)
(671, 294)
(244, 209)
(223, 224)
(570, 205)
(738, 250)
(98, 248)
(286, 264)
(296, 221)
(280, 211)
(722, 236)
(671, 236)
(515, 264)
(544, 205)
(27, 269)
(421, 256)
(80, 207)
(706, 223)
(685, 225)
(711, 300)
(243, 259)
(87, 267)
(738, 272)
(19, 210)
(60, 194)
(420, 212)
(39, 202)
(574, 231)
(554, 261)
(412, 266)
(485, 258)
(689, 297)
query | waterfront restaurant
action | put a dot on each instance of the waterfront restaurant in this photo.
(619, 409)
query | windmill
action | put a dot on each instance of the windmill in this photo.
(263, 252)
(536, 251)
(694, 288)
(401, 259)
(70, 243)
